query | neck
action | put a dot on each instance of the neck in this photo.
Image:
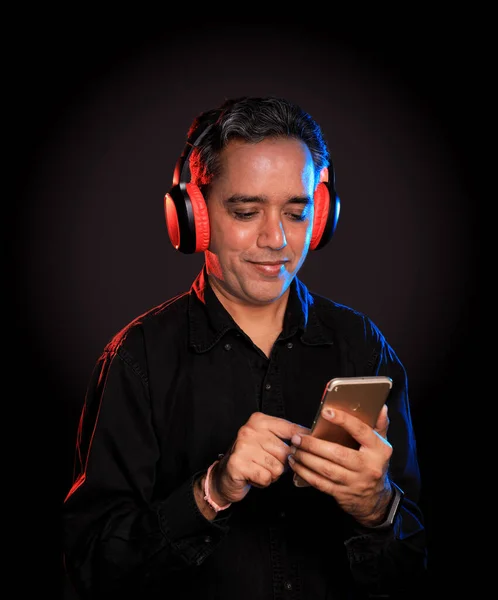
(253, 319)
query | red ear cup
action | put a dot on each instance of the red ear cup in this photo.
(186, 212)
(201, 218)
(326, 215)
(187, 218)
(172, 224)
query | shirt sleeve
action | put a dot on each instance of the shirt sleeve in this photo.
(391, 560)
(394, 559)
(116, 535)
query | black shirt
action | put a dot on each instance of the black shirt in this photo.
(167, 396)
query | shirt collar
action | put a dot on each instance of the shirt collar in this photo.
(209, 320)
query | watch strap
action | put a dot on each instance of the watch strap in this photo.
(394, 507)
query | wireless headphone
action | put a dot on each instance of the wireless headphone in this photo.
(186, 213)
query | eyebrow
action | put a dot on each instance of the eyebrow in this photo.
(241, 199)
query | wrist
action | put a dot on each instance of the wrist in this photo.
(211, 495)
(392, 509)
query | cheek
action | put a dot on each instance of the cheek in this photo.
(299, 237)
(228, 236)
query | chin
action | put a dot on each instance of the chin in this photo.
(266, 294)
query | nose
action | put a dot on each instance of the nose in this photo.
(272, 233)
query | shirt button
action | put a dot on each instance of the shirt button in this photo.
(228, 346)
(268, 386)
(288, 585)
(289, 345)
(208, 539)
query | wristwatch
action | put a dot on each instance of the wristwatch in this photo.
(394, 507)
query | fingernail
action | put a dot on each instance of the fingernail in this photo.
(293, 449)
(291, 459)
(296, 439)
(298, 482)
(328, 412)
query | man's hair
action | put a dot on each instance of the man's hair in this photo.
(251, 120)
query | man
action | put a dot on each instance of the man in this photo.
(198, 476)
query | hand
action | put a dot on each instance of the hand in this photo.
(258, 457)
(357, 479)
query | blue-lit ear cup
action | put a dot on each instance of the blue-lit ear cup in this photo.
(326, 215)
(187, 218)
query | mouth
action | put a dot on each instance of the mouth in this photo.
(271, 268)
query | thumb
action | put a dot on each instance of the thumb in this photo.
(382, 424)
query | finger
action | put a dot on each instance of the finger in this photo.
(360, 431)
(264, 470)
(252, 470)
(267, 433)
(274, 453)
(326, 481)
(305, 462)
(382, 424)
(261, 477)
(256, 452)
(312, 451)
(282, 428)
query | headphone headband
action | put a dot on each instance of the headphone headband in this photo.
(182, 173)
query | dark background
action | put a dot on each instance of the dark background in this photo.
(99, 115)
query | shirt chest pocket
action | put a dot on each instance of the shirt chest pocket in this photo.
(212, 397)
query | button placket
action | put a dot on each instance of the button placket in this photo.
(272, 401)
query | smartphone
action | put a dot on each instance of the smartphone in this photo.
(362, 397)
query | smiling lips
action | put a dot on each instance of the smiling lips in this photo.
(269, 268)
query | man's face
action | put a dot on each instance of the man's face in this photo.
(261, 214)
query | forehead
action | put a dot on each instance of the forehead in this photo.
(274, 157)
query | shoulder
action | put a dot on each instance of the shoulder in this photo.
(167, 319)
(358, 336)
(344, 319)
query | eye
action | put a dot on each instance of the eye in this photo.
(243, 215)
(298, 216)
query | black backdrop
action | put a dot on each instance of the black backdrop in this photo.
(99, 115)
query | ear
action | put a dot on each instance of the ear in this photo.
(324, 174)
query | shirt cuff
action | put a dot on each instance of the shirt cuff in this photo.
(190, 534)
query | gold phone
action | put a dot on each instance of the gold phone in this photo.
(362, 397)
